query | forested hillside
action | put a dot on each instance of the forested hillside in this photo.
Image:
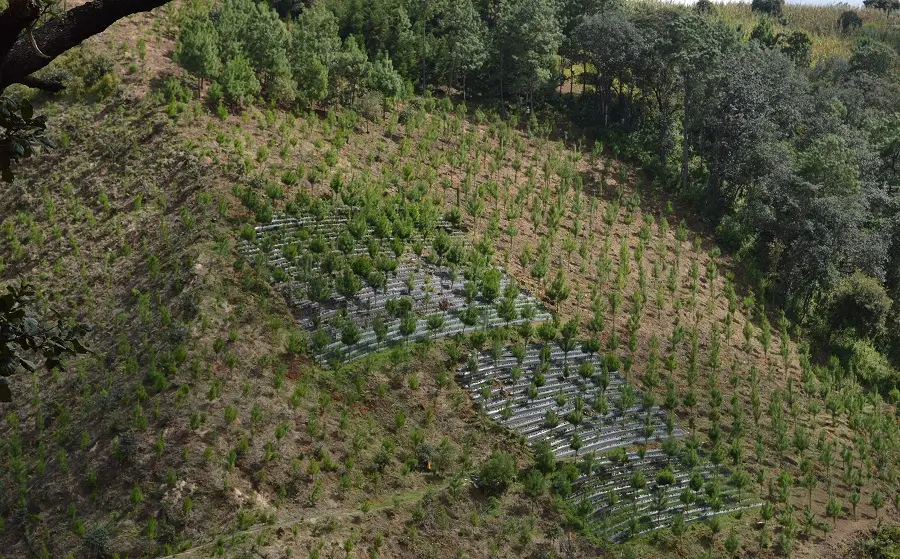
(392, 278)
(781, 149)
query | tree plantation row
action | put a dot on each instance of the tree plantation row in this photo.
(530, 212)
(678, 90)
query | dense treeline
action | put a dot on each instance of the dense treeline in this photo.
(793, 163)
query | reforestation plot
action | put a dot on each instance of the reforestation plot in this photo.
(572, 403)
(364, 278)
(719, 253)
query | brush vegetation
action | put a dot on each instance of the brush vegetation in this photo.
(389, 279)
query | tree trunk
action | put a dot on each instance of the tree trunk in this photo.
(18, 56)
(531, 98)
(424, 19)
(606, 100)
(685, 143)
(502, 102)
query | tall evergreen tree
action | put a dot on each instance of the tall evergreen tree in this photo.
(350, 71)
(527, 40)
(239, 83)
(315, 45)
(465, 34)
(265, 42)
(197, 49)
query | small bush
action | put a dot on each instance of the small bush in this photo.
(265, 213)
(613, 363)
(175, 91)
(297, 343)
(214, 95)
(497, 473)
(97, 541)
(885, 544)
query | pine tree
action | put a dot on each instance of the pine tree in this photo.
(315, 44)
(527, 39)
(833, 510)
(740, 479)
(239, 83)
(567, 338)
(407, 326)
(350, 71)
(196, 49)
(732, 543)
(350, 334)
(559, 290)
(434, 323)
(465, 33)
(348, 285)
(678, 527)
(384, 79)
(877, 501)
(265, 42)
(534, 485)
(380, 329)
(854, 498)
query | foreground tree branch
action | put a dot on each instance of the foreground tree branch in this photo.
(28, 42)
(42, 84)
(13, 20)
(23, 337)
(18, 56)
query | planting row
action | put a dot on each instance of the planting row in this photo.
(358, 287)
(634, 493)
(567, 398)
(572, 403)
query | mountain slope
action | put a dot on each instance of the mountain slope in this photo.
(198, 421)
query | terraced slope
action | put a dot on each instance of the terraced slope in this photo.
(358, 293)
(571, 402)
(554, 395)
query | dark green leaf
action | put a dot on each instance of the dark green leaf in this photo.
(26, 109)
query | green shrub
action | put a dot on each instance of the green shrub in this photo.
(613, 363)
(214, 95)
(497, 473)
(248, 232)
(265, 213)
(871, 367)
(884, 544)
(859, 302)
(107, 85)
(97, 541)
(297, 342)
(239, 82)
(175, 91)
